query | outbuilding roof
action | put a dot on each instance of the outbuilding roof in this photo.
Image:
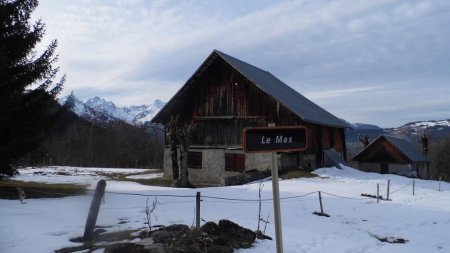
(281, 92)
(401, 145)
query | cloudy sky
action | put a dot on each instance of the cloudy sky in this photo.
(383, 62)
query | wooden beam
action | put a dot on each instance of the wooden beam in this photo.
(228, 117)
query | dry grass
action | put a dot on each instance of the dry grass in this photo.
(8, 189)
(296, 174)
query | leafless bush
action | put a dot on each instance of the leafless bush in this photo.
(149, 213)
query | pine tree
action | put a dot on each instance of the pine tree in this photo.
(27, 88)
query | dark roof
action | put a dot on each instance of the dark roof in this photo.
(402, 145)
(290, 98)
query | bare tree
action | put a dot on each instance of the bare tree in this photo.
(184, 136)
(261, 185)
(424, 139)
(149, 213)
(364, 140)
(173, 141)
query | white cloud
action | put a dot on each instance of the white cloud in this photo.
(333, 93)
(328, 50)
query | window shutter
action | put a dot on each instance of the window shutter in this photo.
(234, 162)
(195, 160)
(229, 162)
(240, 162)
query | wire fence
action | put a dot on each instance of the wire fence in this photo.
(402, 187)
(189, 198)
(209, 197)
(183, 199)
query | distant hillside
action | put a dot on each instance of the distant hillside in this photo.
(98, 139)
(365, 126)
(102, 112)
(436, 128)
(410, 131)
(101, 134)
(372, 131)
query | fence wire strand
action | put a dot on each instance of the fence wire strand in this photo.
(151, 195)
(206, 198)
(343, 197)
(400, 188)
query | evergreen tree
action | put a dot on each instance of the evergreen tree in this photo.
(27, 88)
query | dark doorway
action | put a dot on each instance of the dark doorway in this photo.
(384, 168)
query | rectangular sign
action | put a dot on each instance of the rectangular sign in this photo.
(273, 139)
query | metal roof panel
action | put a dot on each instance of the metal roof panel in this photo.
(290, 98)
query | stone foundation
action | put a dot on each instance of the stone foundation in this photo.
(213, 166)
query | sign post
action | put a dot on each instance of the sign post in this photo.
(272, 139)
(276, 202)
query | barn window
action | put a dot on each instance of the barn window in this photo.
(234, 162)
(195, 160)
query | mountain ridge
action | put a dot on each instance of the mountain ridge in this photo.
(411, 131)
(100, 111)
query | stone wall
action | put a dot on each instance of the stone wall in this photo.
(213, 165)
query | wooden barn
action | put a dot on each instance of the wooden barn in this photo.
(224, 96)
(391, 155)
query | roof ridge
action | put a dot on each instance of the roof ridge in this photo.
(313, 117)
(284, 94)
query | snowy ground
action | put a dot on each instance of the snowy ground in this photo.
(77, 175)
(44, 225)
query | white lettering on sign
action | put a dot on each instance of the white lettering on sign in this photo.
(278, 139)
(265, 140)
(283, 139)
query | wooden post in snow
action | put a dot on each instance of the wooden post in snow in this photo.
(378, 193)
(321, 206)
(388, 185)
(197, 210)
(414, 186)
(93, 211)
(440, 178)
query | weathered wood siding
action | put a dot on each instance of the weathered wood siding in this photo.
(384, 152)
(226, 102)
(222, 91)
(223, 102)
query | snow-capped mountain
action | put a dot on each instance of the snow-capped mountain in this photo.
(410, 131)
(429, 123)
(434, 128)
(99, 110)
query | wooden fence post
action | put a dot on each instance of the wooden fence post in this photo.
(378, 193)
(440, 178)
(321, 206)
(197, 210)
(93, 211)
(388, 185)
(22, 195)
(414, 186)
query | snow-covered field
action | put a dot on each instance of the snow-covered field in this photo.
(78, 175)
(423, 219)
